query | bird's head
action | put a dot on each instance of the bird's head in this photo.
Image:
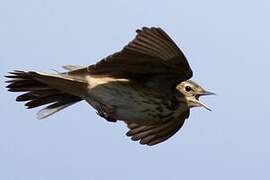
(192, 92)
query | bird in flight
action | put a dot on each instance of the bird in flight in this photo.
(146, 84)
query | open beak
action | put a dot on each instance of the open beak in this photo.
(203, 93)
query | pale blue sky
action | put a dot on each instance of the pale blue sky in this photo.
(227, 45)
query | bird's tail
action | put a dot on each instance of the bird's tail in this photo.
(56, 91)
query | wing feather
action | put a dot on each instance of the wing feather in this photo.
(156, 133)
(151, 57)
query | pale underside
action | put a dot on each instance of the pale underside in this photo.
(130, 102)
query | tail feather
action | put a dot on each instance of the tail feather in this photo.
(46, 112)
(33, 94)
(38, 91)
(57, 106)
(46, 100)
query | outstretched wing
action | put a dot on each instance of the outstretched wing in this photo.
(157, 133)
(152, 57)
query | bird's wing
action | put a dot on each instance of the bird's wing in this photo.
(151, 56)
(156, 133)
(72, 67)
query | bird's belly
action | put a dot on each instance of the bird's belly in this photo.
(129, 102)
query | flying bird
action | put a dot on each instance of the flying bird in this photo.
(146, 84)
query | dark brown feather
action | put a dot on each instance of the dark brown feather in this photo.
(162, 46)
(151, 56)
(38, 93)
(39, 101)
(156, 133)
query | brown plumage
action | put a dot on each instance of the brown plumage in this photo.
(156, 133)
(145, 85)
(38, 93)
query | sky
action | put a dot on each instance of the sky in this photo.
(227, 46)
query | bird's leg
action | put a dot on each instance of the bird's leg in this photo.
(106, 112)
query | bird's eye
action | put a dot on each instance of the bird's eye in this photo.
(188, 88)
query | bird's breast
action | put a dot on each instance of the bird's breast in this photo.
(131, 101)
